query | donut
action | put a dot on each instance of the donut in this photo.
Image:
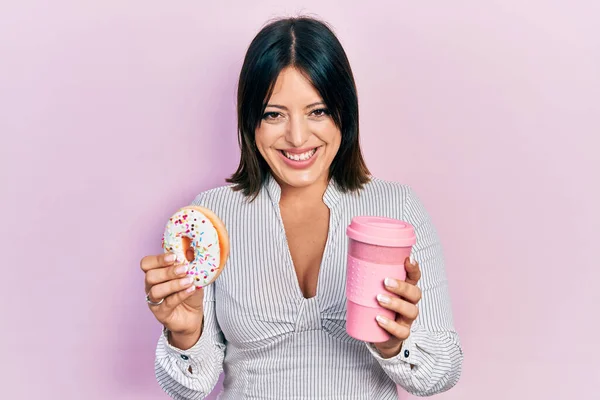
(201, 230)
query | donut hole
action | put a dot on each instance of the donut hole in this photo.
(187, 248)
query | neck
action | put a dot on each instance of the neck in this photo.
(308, 194)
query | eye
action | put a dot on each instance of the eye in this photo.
(271, 115)
(320, 112)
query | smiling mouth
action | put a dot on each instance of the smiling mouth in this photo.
(301, 156)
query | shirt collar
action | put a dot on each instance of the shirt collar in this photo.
(331, 196)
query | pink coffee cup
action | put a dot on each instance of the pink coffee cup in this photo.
(377, 249)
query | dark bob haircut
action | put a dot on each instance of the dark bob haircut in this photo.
(310, 46)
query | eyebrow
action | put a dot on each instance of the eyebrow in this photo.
(318, 103)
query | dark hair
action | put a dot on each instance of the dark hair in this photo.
(310, 46)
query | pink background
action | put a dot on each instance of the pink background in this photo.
(113, 114)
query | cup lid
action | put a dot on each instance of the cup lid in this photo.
(381, 231)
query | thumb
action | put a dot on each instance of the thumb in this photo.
(413, 271)
(196, 299)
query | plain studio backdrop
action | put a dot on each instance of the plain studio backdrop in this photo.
(115, 113)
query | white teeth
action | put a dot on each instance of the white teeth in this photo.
(300, 157)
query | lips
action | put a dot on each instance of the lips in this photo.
(300, 159)
(295, 155)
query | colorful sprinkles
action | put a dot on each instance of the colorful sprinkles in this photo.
(184, 223)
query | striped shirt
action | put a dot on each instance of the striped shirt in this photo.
(273, 343)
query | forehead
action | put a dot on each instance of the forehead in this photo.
(293, 87)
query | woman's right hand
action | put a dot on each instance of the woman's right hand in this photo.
(181, 311)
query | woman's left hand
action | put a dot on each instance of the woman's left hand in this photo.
(405, 307)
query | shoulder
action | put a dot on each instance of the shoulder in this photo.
(221, 197)
(381, 188)
(387, 198)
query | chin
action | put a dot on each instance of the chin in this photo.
(299, 179)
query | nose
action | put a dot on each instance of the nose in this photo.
(297, 132)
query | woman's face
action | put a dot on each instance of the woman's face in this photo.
(297, 136)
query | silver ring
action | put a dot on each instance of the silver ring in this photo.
(151, 302)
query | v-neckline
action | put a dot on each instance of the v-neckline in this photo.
(331, 199)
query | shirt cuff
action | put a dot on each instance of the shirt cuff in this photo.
(185, 359)
(407, 354)
(418, 350)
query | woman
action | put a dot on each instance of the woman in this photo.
(274, 320)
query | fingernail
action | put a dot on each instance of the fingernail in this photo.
(391, 283)
(182, 269)
(382, 320)
(186, 281)
(383, 299)
(170, 257)
(191, 288)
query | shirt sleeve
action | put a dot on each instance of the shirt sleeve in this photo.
(193, 373)
(430, 361)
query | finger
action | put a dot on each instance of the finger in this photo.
(165, 289)
(159, 275)
(413, 271)
(403, 289)
(176, 299)
(151, 262)
(393, 328)
(404, 308)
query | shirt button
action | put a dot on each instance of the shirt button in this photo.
(406, 353)
(184, 357)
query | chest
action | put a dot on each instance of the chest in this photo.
(271, 283)
(306, 230)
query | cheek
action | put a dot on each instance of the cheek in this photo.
(334, 144)
(333, 137)
(266, 136)
(337, 138)
(329, 133)
(261, 139)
